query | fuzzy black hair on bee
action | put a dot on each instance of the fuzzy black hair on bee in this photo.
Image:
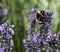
(40, 16)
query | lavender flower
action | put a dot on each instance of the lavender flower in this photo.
(31, 18)
(6, 32)
(37, 41)
(32, 44)
(6, 36)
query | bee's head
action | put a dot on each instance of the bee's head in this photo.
(43, 16)
(44, 13)
(40, 16)
(40, 13)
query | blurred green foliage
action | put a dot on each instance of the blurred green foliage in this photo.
(18, 12)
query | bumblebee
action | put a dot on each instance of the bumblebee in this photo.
(40, 17)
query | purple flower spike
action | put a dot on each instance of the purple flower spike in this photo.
(6, 32)
(40, 39)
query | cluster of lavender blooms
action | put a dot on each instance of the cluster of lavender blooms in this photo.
(6, 32)
(42, 40)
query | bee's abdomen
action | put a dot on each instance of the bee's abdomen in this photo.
(39, 17)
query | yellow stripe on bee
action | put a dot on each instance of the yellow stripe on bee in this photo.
(40, 13)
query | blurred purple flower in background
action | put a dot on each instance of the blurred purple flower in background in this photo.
(33, 10)
(3, 13)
